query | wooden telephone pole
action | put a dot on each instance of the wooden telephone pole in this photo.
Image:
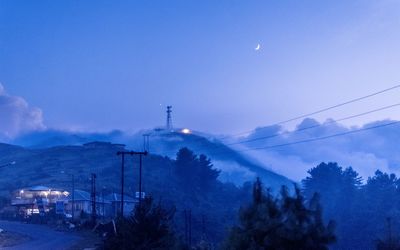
(93, 198)
(123, 153)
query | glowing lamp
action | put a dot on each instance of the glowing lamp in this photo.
(186, 131)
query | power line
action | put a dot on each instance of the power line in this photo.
(315, 112)
(219, 146)
(314, 126)
(322, 110)
(317, 138)
(322, 137)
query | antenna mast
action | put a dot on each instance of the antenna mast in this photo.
(169, 118)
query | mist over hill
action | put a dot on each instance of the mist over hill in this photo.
(366, 151)
(236, 167)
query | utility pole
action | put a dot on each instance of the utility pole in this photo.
(123, 153)
(140, 179)
(122, 181)
(102, 196)
(188, 227)
(146, 142)
(73, 197)
(93, 196)
(203, 226)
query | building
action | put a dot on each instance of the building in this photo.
(82, 202)
(43, 200)
(37, 199)
(115, 201)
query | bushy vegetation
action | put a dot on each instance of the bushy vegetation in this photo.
(285, 222)
(195, 172)
(149, 227)
(361, 210)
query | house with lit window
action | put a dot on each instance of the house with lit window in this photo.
(41, 200)
(37, 199)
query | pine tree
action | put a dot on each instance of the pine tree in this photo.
(207, 175)
(195, 173)
(280, 223)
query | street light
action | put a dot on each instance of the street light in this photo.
(102, 196)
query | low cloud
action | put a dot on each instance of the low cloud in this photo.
(365, 151)
(16, 116)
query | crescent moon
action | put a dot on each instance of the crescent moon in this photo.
(258, 47)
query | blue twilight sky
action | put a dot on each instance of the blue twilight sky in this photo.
(102, 65)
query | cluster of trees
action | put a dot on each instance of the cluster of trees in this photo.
(334, 208)
(284, 222)
(361, 210)
(195, 172)
(149, 227)
(192, 184)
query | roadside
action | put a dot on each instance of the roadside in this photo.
(9, 239)
(21, 236)
(89, 240)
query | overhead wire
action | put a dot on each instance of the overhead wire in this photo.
(310, 114)
(315, 126)
(325, 137)
(222, 145)
(321, 110)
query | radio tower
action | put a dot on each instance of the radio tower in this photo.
(169, 118)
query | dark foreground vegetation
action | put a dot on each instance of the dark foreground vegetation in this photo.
(334, 209)
(149, 227)
(367, 214)
(268, 222)
(188, 205)
(287, 222)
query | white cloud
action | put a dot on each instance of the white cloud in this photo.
(364, 151)
(16, 116)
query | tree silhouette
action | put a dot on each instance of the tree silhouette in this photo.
(185, 164)
(207, 175)
(148, 228)
(195, 172)
(283, 223)
(390, 241)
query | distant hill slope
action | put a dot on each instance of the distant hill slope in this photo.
(236, 167)
(54, 166)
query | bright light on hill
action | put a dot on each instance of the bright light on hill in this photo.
(186, 131)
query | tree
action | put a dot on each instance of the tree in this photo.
(340, 194)
(207, 175)
(284, 222)
(390, 241)
(193, 171)
(380, 200)
(329, 180)
(185, 164)
(148, 228)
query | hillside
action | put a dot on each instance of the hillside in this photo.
(236, 167)
(53, 167)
